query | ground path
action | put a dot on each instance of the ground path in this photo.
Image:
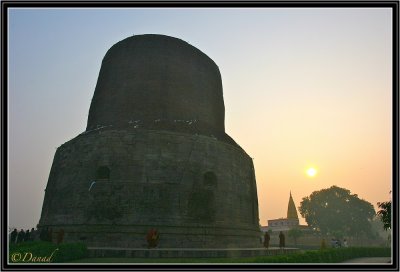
(370, 260)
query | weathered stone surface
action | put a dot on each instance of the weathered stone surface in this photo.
(188, 253)
(158, 82)
(175, 185)
(112, 183)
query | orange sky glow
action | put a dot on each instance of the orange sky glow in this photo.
(302, 88)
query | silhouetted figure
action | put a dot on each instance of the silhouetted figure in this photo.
(152, 238)
(21, 236)
(13, 238)
(281, 240)
(46, 234)
(27, 236)
(50, 235)
(345, 243)
(33, 234)
(333, 243)
(60, 236)
(43, 234)
(323, 244)
(266, 239)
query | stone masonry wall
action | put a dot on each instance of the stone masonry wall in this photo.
(197, 191)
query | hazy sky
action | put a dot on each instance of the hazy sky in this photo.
(302, 87)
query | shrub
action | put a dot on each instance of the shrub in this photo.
(334, 255)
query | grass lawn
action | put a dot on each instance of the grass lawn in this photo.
(164, 260)
(171, 260)
(309, 256)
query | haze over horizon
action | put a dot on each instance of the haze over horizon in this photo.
(303, 88)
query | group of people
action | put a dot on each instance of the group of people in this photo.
(335, 243)
(267, 238)
(46, 234)
(17, 237)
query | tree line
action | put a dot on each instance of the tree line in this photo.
(339, 213)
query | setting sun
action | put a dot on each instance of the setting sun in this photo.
(311, 172)
(308, 120)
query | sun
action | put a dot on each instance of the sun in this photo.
(311, 172)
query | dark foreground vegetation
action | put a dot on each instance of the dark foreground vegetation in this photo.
(77, 253)
(334, 255)
(310, 256)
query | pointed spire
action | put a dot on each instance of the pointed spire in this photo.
(291, 212)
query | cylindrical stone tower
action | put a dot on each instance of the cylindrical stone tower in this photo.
(154, 155)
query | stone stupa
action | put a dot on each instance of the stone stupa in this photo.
(154, 155)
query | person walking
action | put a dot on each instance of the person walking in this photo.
(21, 236)
(27, 236)
(267, 237)
(50, 235)
(323, 244)
(60, 236)
(333, 242)
(152, 238)
(13, 237)
(33, 234)
(281, 240)
(43, 234)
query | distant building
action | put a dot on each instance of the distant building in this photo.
(285, 224)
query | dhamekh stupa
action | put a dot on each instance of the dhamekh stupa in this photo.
(154, 155)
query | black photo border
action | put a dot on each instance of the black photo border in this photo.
(6, 5)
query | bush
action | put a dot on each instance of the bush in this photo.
(40, 251)
(334, 255)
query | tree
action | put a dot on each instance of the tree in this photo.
(335, 211)
(385, 214)
(378, 228)
(295, 233)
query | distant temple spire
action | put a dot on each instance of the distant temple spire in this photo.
(291, 211)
